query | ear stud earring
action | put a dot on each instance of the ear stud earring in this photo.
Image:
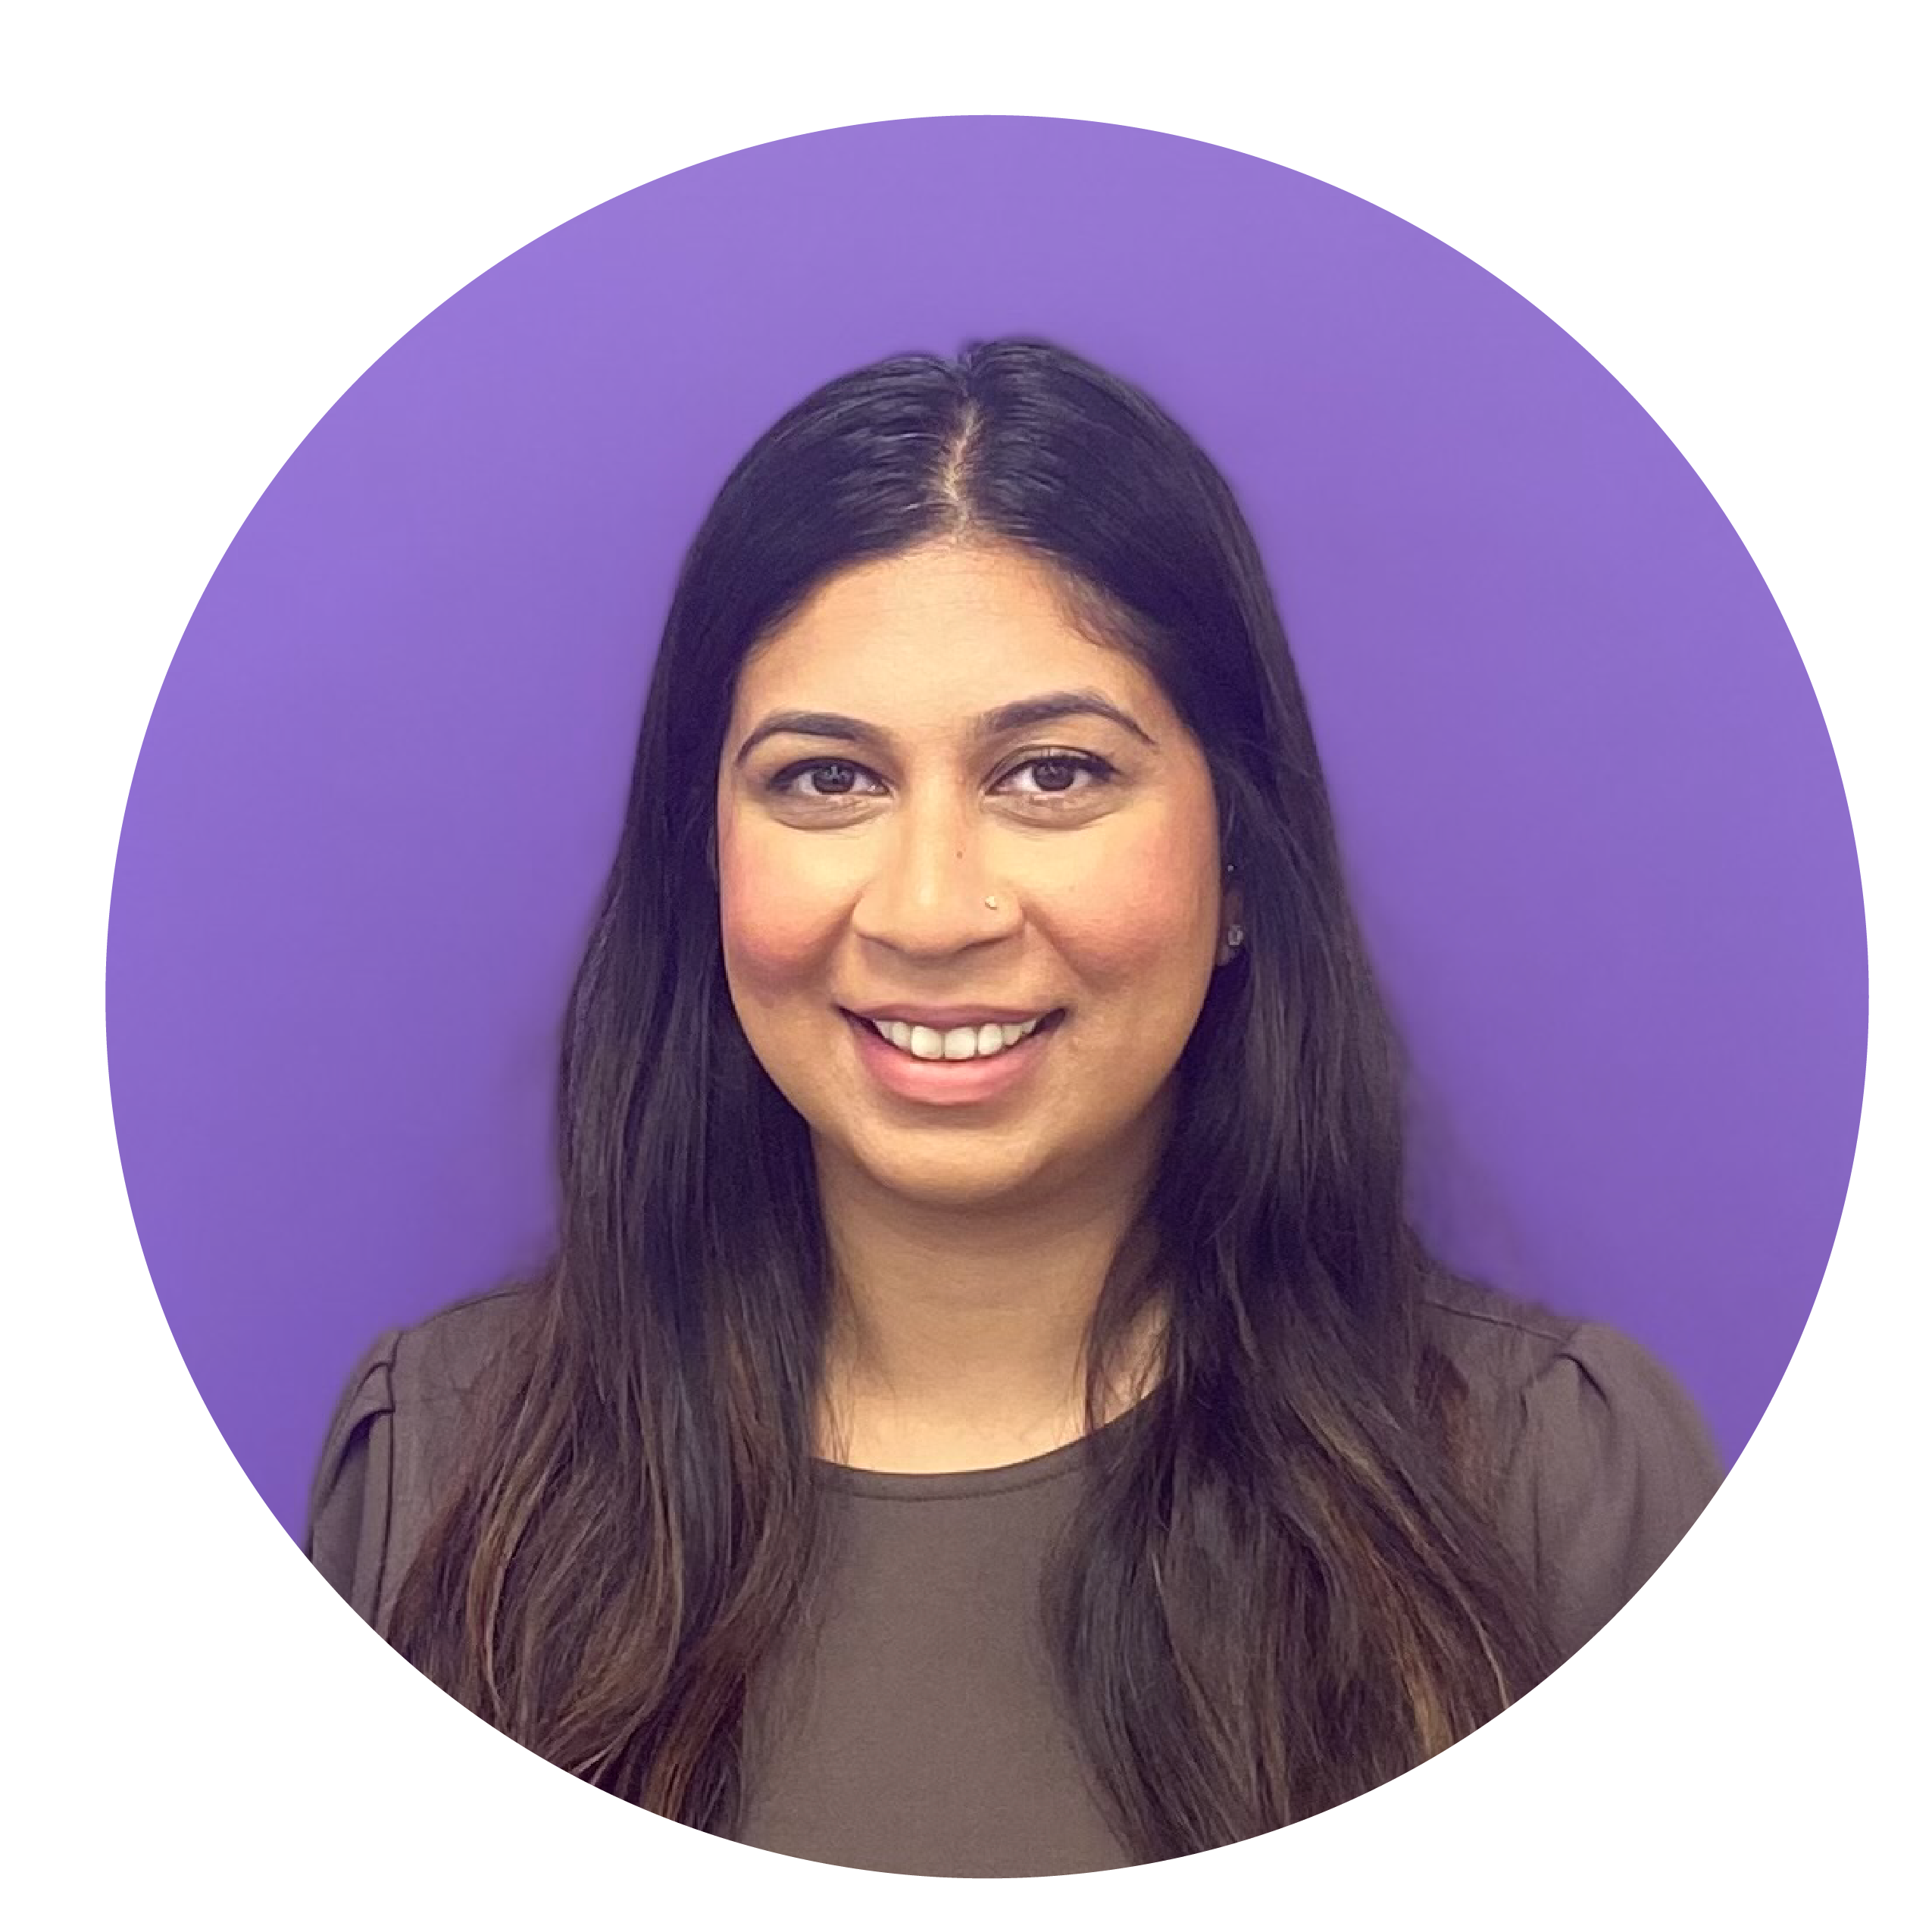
(1235, 935)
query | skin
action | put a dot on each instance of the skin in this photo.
(970, 1242)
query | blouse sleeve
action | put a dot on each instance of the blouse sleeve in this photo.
(350, 1500)
(1613, 1465)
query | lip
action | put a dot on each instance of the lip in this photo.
(949, 1082)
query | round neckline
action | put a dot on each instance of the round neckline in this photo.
(940, 1486)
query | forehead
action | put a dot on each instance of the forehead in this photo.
(944, 630)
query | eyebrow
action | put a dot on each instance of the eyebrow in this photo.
(1018, 716)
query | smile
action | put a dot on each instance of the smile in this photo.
(954, 1065)
(955, 1043)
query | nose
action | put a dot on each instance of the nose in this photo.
(936, 901)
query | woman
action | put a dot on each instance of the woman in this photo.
(987, 1412)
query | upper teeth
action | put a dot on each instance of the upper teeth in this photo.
(958, 1042)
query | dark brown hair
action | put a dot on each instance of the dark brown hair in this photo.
(1284, 1586)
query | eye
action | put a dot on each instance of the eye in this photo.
(793, 774)
(1058, 766)
(1065, 762)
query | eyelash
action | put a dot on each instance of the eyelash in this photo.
(1095, 767)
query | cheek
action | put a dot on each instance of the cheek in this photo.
(777, 928)
(1143, 923)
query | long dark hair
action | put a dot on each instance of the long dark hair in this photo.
(1283, 1586)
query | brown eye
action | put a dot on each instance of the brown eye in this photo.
(1054, 774)
(832, 779)
(1059, 774)
(829, 779)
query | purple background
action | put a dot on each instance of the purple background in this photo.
(1590, 808)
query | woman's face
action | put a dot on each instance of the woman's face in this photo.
(870, 799)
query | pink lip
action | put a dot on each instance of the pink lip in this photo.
(947, 1083)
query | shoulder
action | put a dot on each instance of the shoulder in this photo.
(1602, 1460)
(391, 1445)
(395, 1442)
(422, 1369)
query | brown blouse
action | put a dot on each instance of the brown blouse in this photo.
(914, 1729)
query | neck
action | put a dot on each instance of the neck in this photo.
(958, 1337)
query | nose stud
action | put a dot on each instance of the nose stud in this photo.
(992, 903)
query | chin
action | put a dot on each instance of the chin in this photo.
(975, 1178)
